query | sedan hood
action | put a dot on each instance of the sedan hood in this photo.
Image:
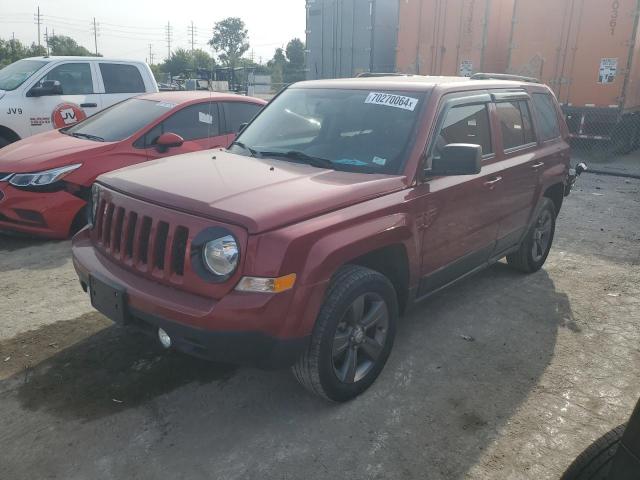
(47, 150)
(258, 194)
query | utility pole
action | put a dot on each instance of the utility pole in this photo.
(192, 32)
(46, 38)
(95, 35)
(38, 19)
(168, 28)
(150, 54)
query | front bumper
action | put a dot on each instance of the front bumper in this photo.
(241, 328)
(46, 214)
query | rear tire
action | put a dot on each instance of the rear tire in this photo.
(535, 247)
(595, 462)
(4, 142)
(352, 337)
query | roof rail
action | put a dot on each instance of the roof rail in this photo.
(380, 74)
(503, 76)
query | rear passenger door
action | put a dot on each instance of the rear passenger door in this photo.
(235, 114)
(520, 161)
(198, 125)
(119, 82)
(459, 218)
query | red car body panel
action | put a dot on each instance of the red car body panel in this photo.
(52, 213)
(308, 221)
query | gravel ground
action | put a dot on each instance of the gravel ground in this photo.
(547, 364)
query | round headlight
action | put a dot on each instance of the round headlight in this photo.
(221, 255)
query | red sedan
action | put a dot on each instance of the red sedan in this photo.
(45, 180)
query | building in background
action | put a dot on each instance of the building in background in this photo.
(453, 37)
(348, 37)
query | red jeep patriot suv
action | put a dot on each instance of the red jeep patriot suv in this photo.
(341, 204)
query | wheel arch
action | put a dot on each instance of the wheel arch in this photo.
(555, 193)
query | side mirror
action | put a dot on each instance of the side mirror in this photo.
(45, 88)
(168, 140)
(242, 127)
(458, 159)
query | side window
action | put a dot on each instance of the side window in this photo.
(515, 124)
(121, 78)
(546, 115)
(465, 124)
(75, 78)
(191, 123)
(238, 113)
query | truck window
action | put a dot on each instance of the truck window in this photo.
(75, 78)
(238, 113)
(191, 123)
(547, 116)
(515, 124)
(465, 124)
(121, 78)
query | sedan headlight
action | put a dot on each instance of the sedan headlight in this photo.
(40, 179)
(221, 255)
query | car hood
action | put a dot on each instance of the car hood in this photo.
(47, 150)
(258, 194)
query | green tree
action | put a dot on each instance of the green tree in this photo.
(201, 59)
(13, 50)
(277, 66)
(179, 63)
(230, 40)
(63, 45)
(294, 69)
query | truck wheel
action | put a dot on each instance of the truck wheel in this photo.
(352, 337)
(535, 247)
(595, 462)
(4, 142)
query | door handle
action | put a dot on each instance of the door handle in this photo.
(88, 105)
(537, 165)
(492, 183)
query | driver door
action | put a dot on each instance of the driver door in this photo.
(78, 99)
(198, 125)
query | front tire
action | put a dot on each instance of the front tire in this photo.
(352, 337)
(535, 247)
(595, 462)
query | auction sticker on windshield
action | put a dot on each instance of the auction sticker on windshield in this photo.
(391, 100)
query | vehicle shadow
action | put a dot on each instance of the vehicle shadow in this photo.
(463, 363)
(17, 252)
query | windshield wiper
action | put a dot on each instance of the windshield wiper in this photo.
(301, 157)
(88, 136)
(254, 153)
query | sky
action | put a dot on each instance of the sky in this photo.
(127, 27)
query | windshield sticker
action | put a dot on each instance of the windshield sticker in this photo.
(351, 161)
(379, 161)
(390, 100)
(165, 104)
(205, 118)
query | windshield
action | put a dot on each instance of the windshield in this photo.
(120, 121)
(14, 75)
(355, 130)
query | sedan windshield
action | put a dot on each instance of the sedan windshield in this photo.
(14, 75)
(119, 121)
(354, 130)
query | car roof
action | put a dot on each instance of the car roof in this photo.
(409, 82)
(184, 96)
(52, 58)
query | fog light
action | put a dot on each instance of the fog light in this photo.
(164, 337)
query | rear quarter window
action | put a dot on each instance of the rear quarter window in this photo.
(238, 113)
(121, 78)
(515, 124)
(546, 115)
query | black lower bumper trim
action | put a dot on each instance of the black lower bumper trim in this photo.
(243, 348)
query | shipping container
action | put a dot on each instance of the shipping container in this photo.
(348, 37)
(588, 52)
(453, 37)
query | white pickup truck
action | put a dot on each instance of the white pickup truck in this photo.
(41, 93)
